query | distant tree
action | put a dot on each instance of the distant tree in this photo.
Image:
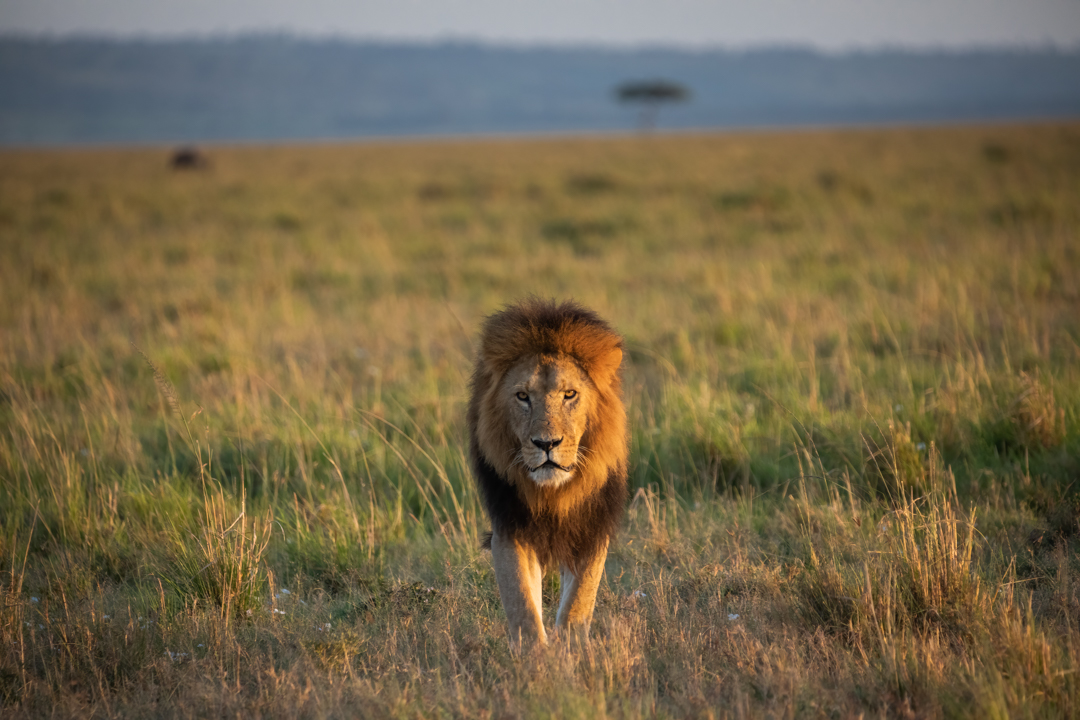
(650, 94)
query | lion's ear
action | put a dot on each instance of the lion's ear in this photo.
(606, 367)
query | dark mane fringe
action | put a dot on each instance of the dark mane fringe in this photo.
(572, 539)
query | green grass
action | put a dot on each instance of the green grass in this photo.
(233, 474)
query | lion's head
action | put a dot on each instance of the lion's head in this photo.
(546, 410)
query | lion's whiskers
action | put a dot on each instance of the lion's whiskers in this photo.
(519, 459)
(582, 456)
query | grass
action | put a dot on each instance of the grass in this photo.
(233, 475)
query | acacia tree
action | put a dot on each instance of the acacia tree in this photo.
(651, 94)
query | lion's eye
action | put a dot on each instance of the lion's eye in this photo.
(523, 396)
(570, 394)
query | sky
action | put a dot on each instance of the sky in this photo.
(830, 25)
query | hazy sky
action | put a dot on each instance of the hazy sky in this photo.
(827, 24)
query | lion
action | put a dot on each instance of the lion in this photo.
(548, 447)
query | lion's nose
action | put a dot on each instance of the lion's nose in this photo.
(546, 445)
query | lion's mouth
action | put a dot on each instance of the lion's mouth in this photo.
(552, 465)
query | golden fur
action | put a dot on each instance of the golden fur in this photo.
(547, 431)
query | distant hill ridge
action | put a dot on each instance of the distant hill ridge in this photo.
(266, 88)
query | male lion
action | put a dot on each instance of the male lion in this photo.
(547, 442)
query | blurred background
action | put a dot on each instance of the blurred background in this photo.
(118, 71)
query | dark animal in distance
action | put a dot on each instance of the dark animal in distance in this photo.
(188, 158)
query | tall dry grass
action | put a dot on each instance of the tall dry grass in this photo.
(852, 385)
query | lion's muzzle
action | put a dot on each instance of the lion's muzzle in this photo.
(545, 469)
(549, 472)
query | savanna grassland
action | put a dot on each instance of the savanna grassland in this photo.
(233, 476)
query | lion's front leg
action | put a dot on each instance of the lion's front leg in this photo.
(518, 572)
(579, 594)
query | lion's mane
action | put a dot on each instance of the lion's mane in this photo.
(570, 523)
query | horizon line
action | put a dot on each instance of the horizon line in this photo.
(457, 40)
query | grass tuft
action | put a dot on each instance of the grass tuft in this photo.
(222, 562)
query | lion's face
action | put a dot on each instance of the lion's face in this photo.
(548, 401)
